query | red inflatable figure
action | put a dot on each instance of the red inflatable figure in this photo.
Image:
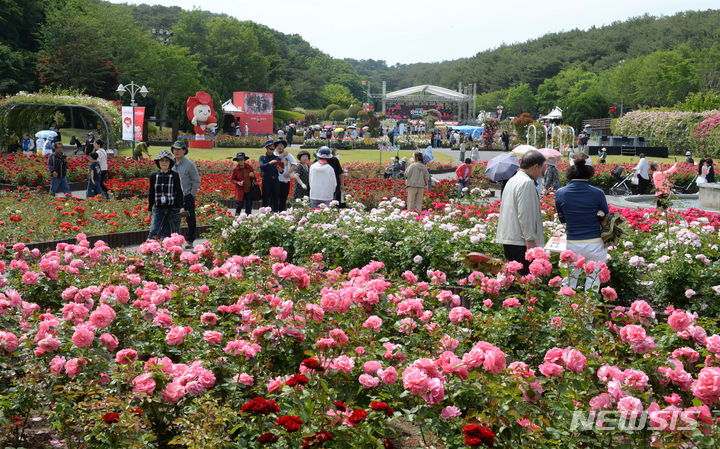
(201, 113)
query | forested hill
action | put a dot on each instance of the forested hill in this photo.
(534, 61)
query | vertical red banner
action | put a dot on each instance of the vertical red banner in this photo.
(139, 118)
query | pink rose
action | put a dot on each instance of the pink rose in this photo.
(126, 356)
(102, 316)
(176, 335)
(458, 314)
(488, 303)
(173, 392)
(144, 383)
(84, 335)
(567, 291)
(494, 361)
(450, 412)
(8, 342)
(630, 407)
(435, 391)
(549, 369)
(109, 341)
(707, 386)
(389, 375)
(415, 380)
(679, 321)
(601, 401)
(74, 366)
(713, 343)
(245, 379)
(372, 366)
(213, 337)
(373, 322)
(633, 333)
(122, 294)
(343, 363)
(511, 302)
(553, 355)
(368, 381)
(609, 293)
(57, 364)
(208, 318)
(574, 360)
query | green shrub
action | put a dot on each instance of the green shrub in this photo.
(353, 110)
(330, 108)
(338, 115)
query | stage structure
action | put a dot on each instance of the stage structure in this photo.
(256, 111)
(412, 103)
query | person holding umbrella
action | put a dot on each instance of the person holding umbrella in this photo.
(551, 179)
(502, 168)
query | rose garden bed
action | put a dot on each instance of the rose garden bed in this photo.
(353, 327)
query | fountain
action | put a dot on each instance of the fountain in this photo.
(709, 196)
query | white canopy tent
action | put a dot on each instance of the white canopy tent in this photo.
(229, 108)
(555, 114)
(423, 95)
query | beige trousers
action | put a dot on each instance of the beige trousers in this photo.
(415, 198)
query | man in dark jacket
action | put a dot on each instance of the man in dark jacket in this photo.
(269, 172)
(57, 164)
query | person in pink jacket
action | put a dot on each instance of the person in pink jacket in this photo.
(662, 183)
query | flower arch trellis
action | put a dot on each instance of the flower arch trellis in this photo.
(22, 110)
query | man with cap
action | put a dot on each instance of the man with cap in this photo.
(165, 198)
(688, 158)
(286, 167)
(268, 164)
(242, 178)
(322, 179)
(190, 183)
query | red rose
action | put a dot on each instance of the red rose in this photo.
(260, 406)
(267, 438)
(110, 418)
(387, 444)
(381, 407)
(317, 439)
(296, 379)
(290, 423)
(310, 363)
(358, 415)
(475, 435)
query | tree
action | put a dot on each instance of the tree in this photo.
(337, 94)
(566, 84)
(338, 115)
(520, 99)
(175, 76)
(587, 106)
(77, 56)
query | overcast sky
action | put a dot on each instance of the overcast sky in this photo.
(429, 30)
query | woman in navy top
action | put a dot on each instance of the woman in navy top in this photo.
(578, 205)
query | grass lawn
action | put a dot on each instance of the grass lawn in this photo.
(216, 154)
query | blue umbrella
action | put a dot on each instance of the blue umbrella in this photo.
(477, 132)
(502, 167)
(46, 134)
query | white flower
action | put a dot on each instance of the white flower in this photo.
(417, 259)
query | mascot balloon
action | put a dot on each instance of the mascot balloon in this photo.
(201, 113)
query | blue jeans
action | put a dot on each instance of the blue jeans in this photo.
(59, 184)
(461, 185)
(189, 206)
(94, 189)
(164, 222)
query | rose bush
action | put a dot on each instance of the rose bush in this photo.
(208, 349)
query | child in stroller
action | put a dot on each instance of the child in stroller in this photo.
(621, 186)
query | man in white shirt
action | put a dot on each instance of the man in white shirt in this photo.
(102, 160)
(641, 169)
(285, 166)
(322, 179)
(520, 224)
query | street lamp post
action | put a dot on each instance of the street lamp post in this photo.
(133, 88)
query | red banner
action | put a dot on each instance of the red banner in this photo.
(139, 117)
